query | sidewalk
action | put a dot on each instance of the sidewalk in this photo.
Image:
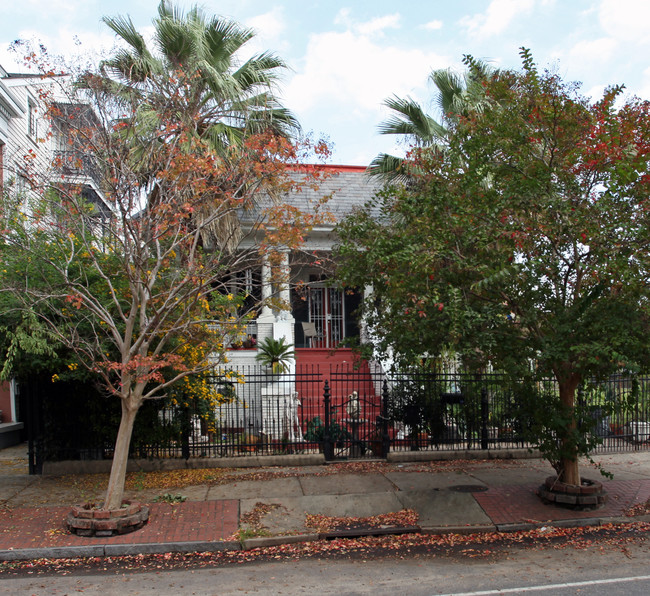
(458, 496)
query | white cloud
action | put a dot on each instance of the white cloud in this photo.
(432, 25)
(626, 20)
(592, 50)
(356, 73)
(270, 25)
(76, 48)
(375, 26)
(378, 24)
(497, 18)
(270, 29)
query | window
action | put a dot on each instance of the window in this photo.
(2, 165)
(32, 123)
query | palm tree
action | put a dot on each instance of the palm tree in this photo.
(456, 95)
(194, 62)
(192, 75)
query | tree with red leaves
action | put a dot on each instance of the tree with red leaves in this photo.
(136, 277)
(524, 245)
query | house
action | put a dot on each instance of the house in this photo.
(35, 149)
(320, 316)
(11, 111)
(311, 314)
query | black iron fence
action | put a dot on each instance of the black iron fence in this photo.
(348, 413)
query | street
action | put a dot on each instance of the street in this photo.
(593, 567)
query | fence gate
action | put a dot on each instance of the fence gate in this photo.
(356, 426)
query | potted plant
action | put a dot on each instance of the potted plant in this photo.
(249, 342)
(249, 442)
(315, 432)
(276, 354)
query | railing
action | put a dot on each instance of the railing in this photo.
(340, 412)
(76, 163)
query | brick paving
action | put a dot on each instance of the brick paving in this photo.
(520, 503)
(211, 524)
(193, 521)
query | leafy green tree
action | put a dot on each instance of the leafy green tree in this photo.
(524, 244)
(195, 75)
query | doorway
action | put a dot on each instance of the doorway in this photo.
(327, 312)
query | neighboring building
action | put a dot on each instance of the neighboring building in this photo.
(33, 151)
(11, 110)
(36, 145)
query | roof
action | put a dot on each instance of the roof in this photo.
(347, 187)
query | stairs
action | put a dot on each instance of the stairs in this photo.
(342, 370)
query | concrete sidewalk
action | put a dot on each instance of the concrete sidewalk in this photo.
(460, 496)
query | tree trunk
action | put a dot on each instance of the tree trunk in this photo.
(569, 473)
(115, 490)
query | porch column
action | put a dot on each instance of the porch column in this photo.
(283, 328)
(266, 315)
(285, 293)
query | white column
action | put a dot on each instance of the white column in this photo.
(267, 314)
(285, 293)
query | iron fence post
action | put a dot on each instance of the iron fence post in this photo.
(485, 415)
(328, 447)
(385, 439)
(33, 421)
(186, 430)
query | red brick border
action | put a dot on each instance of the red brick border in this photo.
(84, 520)
(589, 495)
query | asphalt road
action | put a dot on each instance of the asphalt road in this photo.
(552, 570)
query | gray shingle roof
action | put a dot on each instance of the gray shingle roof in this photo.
(347, 187)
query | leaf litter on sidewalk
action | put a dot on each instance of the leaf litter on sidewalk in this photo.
(481, 545)
(175, 479)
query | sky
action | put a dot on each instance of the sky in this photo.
(346, 57)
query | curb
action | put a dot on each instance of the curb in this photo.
(467, 530)
(358, 533)
(115, 550)
(266, 541)
(398, 457)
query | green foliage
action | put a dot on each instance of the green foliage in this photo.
(550, 426)
(229, 98)
(415, 402)
(170, 498)
(525, 241)
(455, 95)
(316, 431)
(276, 354)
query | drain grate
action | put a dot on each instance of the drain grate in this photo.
(468, 488)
